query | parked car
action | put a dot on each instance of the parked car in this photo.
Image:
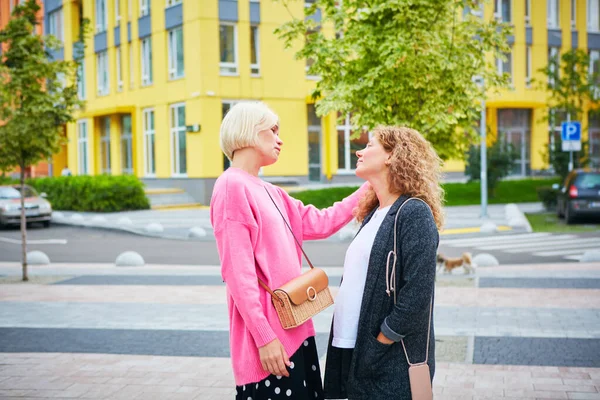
(579, 196)
(37, 208)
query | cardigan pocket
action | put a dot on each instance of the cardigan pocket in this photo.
(375, 359)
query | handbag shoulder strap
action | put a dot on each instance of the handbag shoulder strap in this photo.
(260, 281)
(391, 280)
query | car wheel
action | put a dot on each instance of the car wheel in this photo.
(559, 213)
(46, 224)
(569, 217)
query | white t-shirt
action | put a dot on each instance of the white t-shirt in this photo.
(349, 298)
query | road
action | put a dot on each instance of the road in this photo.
(103, 246)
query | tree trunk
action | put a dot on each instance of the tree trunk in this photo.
(23, 226)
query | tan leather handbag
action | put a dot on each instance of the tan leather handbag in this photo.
(303, 297)
(418, 374)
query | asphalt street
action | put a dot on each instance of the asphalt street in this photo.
(89, 245)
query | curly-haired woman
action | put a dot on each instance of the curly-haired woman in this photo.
(385, 299)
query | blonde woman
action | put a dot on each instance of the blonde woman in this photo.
(254, 242)
(365, 359)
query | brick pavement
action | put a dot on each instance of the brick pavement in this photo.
(497, 327)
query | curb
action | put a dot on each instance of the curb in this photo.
(139, 232)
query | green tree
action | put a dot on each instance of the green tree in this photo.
(569, 86)
(501, 159)
(401, 62)
(38, 96)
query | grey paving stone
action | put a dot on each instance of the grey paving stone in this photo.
(540, 283)
(560, 352)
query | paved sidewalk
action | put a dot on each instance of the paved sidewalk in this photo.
(176, 224)
(160, 332)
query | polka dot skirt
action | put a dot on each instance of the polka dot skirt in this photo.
(304, 381)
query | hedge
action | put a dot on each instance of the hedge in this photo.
(102, 193)
(457, 194)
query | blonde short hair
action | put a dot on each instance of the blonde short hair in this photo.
(242, 123)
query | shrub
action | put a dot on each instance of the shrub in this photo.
(547, 196)
(102, 193)
(500, 160)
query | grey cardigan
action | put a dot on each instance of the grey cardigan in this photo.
(379, 371)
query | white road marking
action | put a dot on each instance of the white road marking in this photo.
(42, 241)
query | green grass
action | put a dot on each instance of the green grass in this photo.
(549, 222)
(457, 194)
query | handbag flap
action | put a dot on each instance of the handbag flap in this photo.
(420, 382)
(305, 286)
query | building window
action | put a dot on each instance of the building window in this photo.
(594, 139)
(146, 61)
(514, 129)
(131, 74)
(129, 10)
(82, 147)
(478, 11)
(593, 15)
(105, 146)
(347, 147)
(126, 145)
(573, 14)
(254, 51)
(149, 166)
(173, 2)
(594, 72)
(101, 14)
(144, 8)
(117, 12)
(309, 61)
(528, 67)
(176, 69)
(503, 10)
(228, 43)
(553, 22)
(102, 71)
(505, 66)
(55, 24)
(528, 12)
(119, 69)
(553, 64)
(178, 139)
(81, 79)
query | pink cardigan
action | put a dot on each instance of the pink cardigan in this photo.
(252, 240)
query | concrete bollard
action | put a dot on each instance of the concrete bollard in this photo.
(37, 257)
(154, 227)
(485, 260)
(197, 232)
(129, 259)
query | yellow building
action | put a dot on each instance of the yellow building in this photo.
(160, 74)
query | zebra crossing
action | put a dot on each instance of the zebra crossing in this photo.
(567, 246)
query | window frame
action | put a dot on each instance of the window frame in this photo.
(146, 133)
(528, 66)
(83, 164)
(126, 138)
(102, 74)
(144, 8)
(146, 72)
(171, 3)
(509, 61)
(528, 13)
(101, 23)
(117, 12)
(348, 130)
(553, 14)
(57, 30)
(172, 49)
(593, 25)
(255, 68)
(177, 130)
(119, 65)
(105, 145)
(81, 92)
(498, 11)
(223, 66)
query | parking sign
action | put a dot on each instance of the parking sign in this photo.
(571, 136)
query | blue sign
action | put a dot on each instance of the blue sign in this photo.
(571, 131)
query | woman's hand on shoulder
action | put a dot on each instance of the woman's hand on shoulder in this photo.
(274, 358)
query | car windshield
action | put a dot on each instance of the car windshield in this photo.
(9, 193)
(588, 181)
